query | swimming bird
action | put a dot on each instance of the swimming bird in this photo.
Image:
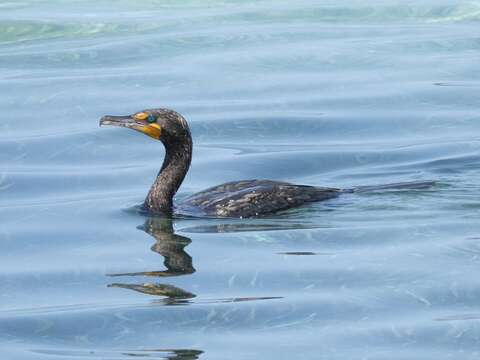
(240, 199)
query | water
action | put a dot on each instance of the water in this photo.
(333, 93)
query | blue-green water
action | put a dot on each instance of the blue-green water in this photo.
(333, 93)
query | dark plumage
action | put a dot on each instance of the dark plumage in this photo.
(249, 198)
(245, 198)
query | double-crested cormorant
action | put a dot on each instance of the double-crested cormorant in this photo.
(246, 198)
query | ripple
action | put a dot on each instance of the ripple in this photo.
(168, 354)
(332, 93)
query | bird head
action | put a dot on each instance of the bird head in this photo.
(165, 125)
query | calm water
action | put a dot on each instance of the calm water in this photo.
(334, 93)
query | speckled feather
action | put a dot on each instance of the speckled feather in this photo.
(249, 198)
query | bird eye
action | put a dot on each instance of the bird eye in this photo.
(151, 118)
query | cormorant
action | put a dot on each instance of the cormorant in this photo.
(241, 199)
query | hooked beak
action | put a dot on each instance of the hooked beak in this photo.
(125, 121)
(153, 130)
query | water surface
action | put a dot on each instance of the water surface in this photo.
(333, 93)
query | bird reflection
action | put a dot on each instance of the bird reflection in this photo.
(174, 354)
(167, 290)
(177, 262)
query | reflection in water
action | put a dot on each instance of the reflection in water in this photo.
(301, 253)
(250, 225)
(459, 317)
(157, 289)
(183, 301)
(177, 261)
(172, 247)
(168, 354)
(171, 354)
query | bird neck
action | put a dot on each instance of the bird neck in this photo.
(175, 166)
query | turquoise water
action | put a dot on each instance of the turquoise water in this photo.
(332, 93)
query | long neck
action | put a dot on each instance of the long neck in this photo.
(175, 166)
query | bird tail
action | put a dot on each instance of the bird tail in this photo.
(409, 185)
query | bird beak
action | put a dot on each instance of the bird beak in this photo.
(153, 130)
